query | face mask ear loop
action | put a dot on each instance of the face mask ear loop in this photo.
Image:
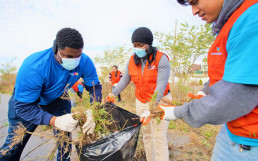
(60, 56)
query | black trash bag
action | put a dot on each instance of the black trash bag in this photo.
(118, 146)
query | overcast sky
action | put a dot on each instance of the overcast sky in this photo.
(28, 26)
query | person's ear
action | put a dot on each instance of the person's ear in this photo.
(55, 47)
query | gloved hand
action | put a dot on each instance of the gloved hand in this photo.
(115, 84)
(110, 98)
(198, 95)
(168, 112)
(89, 125)
(66, 122)
(145, 117)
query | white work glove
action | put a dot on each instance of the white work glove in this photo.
(89, 125)
(66, 122)
(145, 117)
(115, 84)
(168, 112)
(200, 93)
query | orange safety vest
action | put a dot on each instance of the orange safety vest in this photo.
(75, 86)
(145, 83)
(245, 126)
(115, 78)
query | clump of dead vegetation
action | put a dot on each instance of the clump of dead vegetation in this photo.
(105, 125)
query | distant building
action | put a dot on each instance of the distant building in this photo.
(198, 69)
(195, 67)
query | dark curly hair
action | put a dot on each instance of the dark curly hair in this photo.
(183, 2)
(115, 66)
(68, 37)
(152, 51)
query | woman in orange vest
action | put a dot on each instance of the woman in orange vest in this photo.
(149, 70)
(232, 98)
(114, 77)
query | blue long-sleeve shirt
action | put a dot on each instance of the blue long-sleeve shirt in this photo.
(41, 80)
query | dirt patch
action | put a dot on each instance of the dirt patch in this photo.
(191, 144)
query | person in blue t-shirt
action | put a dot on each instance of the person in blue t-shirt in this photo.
(42, 82)
(232, 95)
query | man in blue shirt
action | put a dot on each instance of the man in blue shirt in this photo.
(42, 81)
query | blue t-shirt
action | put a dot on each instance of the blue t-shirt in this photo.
(41, 76)
(242, 47)
(242, 60)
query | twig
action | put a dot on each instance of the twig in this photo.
(52, 137)
(94, 92)
(50, 156)
(36, 148)
(37, 158)
(125, 123)
(112, 109)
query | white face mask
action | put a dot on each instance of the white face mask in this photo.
(70, 63)
(140, 52)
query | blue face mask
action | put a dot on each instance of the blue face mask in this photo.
(140, 52)
(70, 63)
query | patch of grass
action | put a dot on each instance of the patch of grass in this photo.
(172, 125)
(7, 77)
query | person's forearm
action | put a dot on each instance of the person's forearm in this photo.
(225, 102)
(32, 113)
(163, 76)
(123, 83)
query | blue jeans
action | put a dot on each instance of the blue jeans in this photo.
(226, 150)
(57, 108)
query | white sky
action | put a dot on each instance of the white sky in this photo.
(28, 26)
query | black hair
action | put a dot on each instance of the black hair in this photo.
(115, 66)
(68, 37)
(152, 51)
(183, 2)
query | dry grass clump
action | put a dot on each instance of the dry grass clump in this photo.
(19, 132)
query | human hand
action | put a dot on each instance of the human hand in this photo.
(168, 112)
(198, 95)
(89, 125)
(145, 117)
(110, 98)
(66, 122)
